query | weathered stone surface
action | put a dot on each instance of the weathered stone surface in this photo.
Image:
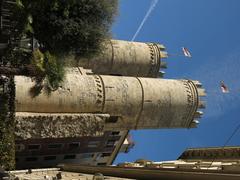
(125, 58)
(41, 125)
(134, 103)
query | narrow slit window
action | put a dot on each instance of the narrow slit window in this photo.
(34, 147)
(115, 133)
(101, 164)
(74, 145)
(31, 159)
(50, 158)
(105, 154)
(70, 156)
(54, 146)
(110, 143)
(87, 155)
(93, 144)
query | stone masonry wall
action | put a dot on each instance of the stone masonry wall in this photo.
(40, 125)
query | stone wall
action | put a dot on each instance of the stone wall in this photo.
(41, 125)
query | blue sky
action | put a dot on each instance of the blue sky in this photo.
(211, 30)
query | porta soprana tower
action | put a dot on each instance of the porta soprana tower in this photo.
(118, 90)
(131, 102)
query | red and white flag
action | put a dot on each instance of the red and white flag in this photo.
(224, 88)
(186, 52)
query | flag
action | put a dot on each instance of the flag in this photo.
(186, 52)
(224, 88)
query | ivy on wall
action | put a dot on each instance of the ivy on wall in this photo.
(7, 123)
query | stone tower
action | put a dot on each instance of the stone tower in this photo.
(130, 102)
(126, 58)
(100, 100)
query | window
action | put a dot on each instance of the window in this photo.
(112, 119)
(86, 155)
(74, 145)
(71, 156)
(115, 133)
(54, 146)
(34, 147)
(93, 144)
(110, 143)
(50, 158)
(101, 164)
(31, 159)
(19, 147)
(105, 154)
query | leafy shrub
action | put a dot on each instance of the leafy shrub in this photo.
(7, 123)
(64, 26)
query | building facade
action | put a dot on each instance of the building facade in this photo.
(88, 150)
(221, 163)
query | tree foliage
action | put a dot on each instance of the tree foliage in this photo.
(64, 26)
(7, 123)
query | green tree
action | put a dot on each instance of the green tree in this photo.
(7, 123)
(64, 26)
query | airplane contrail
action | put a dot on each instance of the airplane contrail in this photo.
(151, 8)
